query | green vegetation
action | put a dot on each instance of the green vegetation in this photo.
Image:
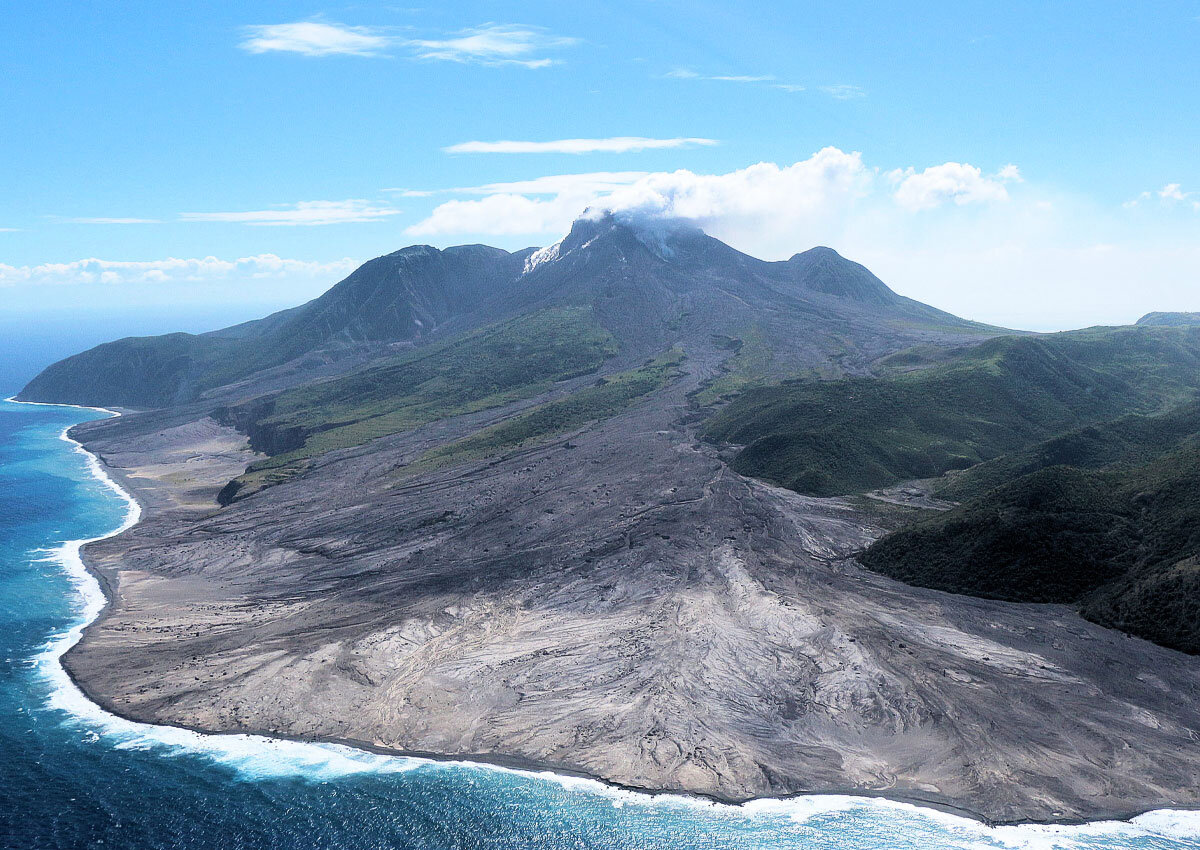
(748, 367)
(1076, 458)
(141, 372)
(392, 298)
(608, 396)
(855, 434)
(1170, 319)
(1106, 517)
(1125, 442)
(489, 368)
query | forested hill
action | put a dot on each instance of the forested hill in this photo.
(1075, 456)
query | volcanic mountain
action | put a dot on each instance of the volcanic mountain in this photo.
(650, 289)
(527, 508)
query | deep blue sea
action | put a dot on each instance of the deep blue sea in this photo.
(72, 776)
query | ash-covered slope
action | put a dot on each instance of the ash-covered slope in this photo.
(650, 288)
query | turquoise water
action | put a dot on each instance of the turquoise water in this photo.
(72, 776)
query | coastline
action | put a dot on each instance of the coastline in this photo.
(97, 590)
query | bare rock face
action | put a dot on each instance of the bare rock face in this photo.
(619, 602)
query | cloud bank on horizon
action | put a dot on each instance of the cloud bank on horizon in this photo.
(173, 270)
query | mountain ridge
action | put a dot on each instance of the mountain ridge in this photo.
(1170, 319)
(639, 281)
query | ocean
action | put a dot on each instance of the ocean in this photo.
(72, 776)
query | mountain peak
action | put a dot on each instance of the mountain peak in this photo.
(817, 252)
(825, 270)
(1174, 320)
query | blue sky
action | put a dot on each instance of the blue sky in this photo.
(1029, 164)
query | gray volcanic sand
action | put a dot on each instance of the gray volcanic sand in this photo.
(616, 601)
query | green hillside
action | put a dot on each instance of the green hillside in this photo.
(1107, 517)
(846, 436)
(500, 364)
(608, 396)
(404, 296)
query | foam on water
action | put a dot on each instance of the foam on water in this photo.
(260, 757)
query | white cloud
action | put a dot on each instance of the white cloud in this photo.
(305, 213)
(170, 270)
(827, 179)
(550, 184)
(952, 181)
(743, 78)
(501, 214)
(1010, 173)
(756, 196)
(522, 209)
(489, 44)
(1172, 192)
(1170, 195)
(106, 220)
(768, 79)
(555, 184)
(844, 92)
(494, 44)
(314, 38)
(615, 144)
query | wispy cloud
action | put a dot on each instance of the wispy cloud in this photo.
(554, 184)
(1171, 194)
(315, 38)
(614, 144)
(550, 184)
(761, 79)
(108, 220)
(744, 78)
(494, 44)
(305, 213)
(169, 270)
(844, 92)
(487, 44)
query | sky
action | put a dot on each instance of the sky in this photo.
(1031, 165)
